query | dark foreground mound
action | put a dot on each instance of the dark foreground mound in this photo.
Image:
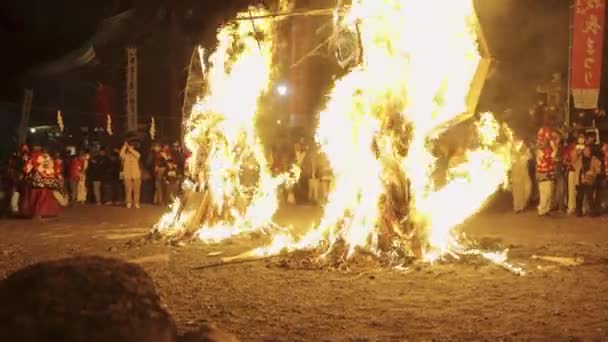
(84, 299)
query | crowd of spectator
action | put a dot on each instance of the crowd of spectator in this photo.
(37, 182)
(566, 168)
(316, 176)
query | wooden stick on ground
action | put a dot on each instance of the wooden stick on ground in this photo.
(233, 262)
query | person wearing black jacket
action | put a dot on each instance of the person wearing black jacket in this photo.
(99, 165)
(172, 179)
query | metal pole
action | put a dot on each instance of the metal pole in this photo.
(569, 86)
(26, 108)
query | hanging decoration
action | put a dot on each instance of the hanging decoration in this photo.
(152, 128)
(60, 121)
(109, 124)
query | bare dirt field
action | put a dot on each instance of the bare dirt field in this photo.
(263, 301)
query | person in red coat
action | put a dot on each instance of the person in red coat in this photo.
(545, 178)
(59, 165)
(544, 136)
(75, 172)
(41, 182)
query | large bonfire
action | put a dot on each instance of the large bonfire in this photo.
(416, 66)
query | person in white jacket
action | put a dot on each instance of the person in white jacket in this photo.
(521, 182)
(131, 173)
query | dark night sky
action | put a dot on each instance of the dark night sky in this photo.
(35, 31)
(39, 30)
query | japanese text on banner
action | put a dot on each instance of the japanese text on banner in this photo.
(587, 47)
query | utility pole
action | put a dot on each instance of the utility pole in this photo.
(298, 74)
(568, 85)
(26, 109)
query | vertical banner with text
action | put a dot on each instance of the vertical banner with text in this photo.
(588, 19)
(131, 89)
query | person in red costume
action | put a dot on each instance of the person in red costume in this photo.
(544, 135)
(76, 172)
(546, 150)
(545, 178)
(38, 199)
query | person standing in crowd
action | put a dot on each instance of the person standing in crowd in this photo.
(131, 174)
(559, 192)
(568, 163)
(59, 165)
(42, 189)
(99, 166)
(115, 179)
(545, 179)
(587, 168)
(160, 166)
(150, 164)
(545, 155)
(325, 173)
(604, 183)
(76, 172)
(15, 169)
(313, 182)
(300, 155)
(171, 180)
(82, 182)
(596, 151)
(4, 190)
(178, 156)
(93, 178)
(160, 189)
(520, 178)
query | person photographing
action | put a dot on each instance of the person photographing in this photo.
(131, 174)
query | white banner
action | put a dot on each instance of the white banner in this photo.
(131, 88)
(26, 109)
(585, 98)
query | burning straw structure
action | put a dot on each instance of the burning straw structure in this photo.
(419, 73)
(233, 190)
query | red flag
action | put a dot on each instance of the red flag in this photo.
(104, 103)
(587, 47)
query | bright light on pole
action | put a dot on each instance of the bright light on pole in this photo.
(282, 90)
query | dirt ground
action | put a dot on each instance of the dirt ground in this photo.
(260, 301)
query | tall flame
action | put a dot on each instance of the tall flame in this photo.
(416, 65)
(419, 59)
(228, 161)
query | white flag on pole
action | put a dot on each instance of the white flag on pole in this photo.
(152, 128)
(109, 124)
(60, 121)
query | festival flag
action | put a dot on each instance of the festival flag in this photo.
(152, 128)
(60, 121)
(109, 124)
(588, 19)
(105, 103)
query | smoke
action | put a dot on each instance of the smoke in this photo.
(529, 41)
